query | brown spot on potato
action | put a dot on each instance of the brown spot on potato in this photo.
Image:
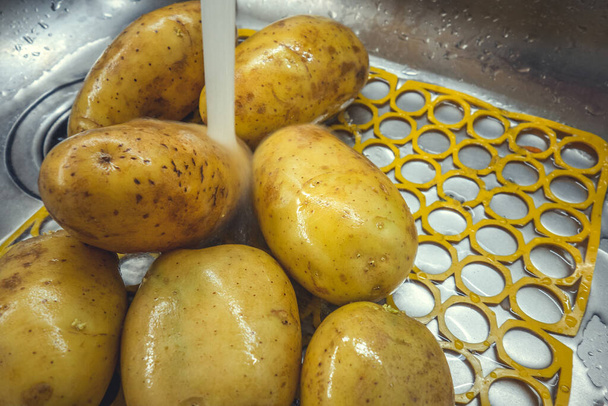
(37, 395)
(11, 282)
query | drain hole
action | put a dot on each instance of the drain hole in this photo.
(39, 128)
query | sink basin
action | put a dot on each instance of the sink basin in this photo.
(545, 59)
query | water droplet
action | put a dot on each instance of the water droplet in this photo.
(564, 388)
(43, 25)
(35, 53)
(594, 110)
(459, 345)
(332, 14)
(28, 39)
(470, 395)
(56, 5)
(18, 47)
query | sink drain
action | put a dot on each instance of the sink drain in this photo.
(39, 128)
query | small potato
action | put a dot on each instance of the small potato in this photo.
(143, 186)
(300, 69)
(366, 354)
(214, 326)
(335, 222)
(62, 304)
(154, 68)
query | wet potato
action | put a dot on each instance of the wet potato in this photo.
(336, 223)
(214, 326)
(364, 353)
(62, 304)
(154, 68)
(143, 186)
(300, 69)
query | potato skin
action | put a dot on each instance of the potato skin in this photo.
(143, 186)
(299, 69)
(334, 221)
(62, 304)
(214, 326)
(154, 68)
(365, 354)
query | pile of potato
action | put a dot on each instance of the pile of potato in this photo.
(215, 323)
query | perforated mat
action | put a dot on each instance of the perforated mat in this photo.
(508, 210)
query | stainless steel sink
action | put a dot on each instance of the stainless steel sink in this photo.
(544, 58)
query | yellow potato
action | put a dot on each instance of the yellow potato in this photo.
(62, 304)
(300, 69)
(334, 221)
(366, 354)
(146, 185)
(214, 326)
(154, 68)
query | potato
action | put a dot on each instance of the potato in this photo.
(154, 68)
(214, 326)
(62, 304)
(300, 69)
(366, 354)
(334, 221)
(143, 186)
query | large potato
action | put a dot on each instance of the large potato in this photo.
(334, 221)
(366, 354)
(146, 185)
(62, 304)
(154, 68)
(300, 69)
(214, 326)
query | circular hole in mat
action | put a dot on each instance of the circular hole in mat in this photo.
(395, 129)
(432, 258)
(467, 323)
(510, 392)
(553, 261)
(433, 142)
(133, 267)
(568, 189)
(460, 188)
(509, 206)
(411, 200)
(379, 155)
(447, 222)
(520, 173)
(561, 223)
(417, 171)
(579, 155)
(448, 112)
(345, 137)
(475, 157)
(527, 349)
(488, 127)
(375, 90)
(359, 114)
(410, 101)
(482, 279)
(496, 240)
(533, 140)
(463, 374)
(414, 299)
(540, 304)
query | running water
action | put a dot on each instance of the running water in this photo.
(219, 21)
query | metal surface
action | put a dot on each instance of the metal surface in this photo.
(548, 59)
